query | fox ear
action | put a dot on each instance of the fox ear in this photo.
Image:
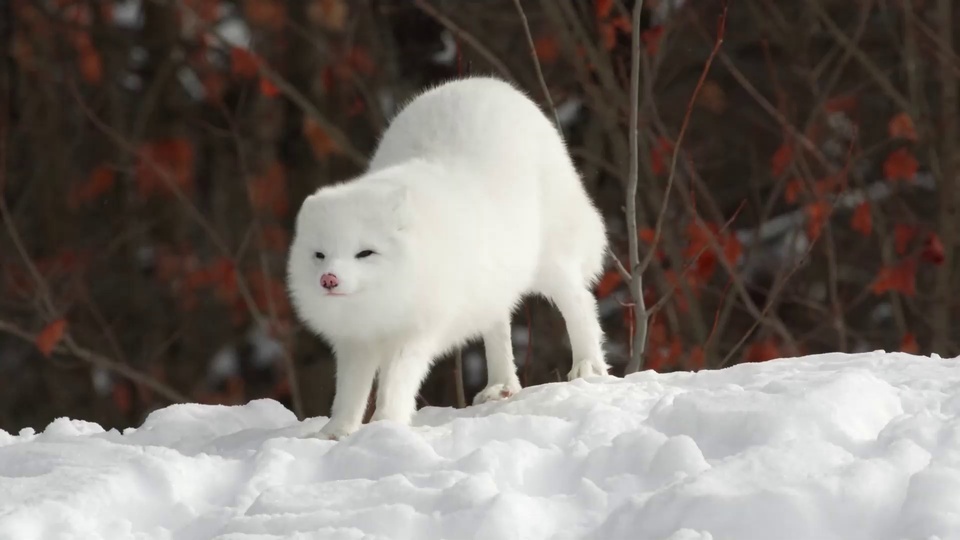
(398, 205)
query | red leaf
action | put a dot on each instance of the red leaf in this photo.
(909, 344)
(647, 235)
(781, 158)
(793, 190)
(323, 146)
(902, 234)
(243, 63)
(658, 155)
(51, 335)
(162, 163)
(651, 38)
(901, 126)
(101, 180)
(817, 215)
(269, 14)
(761, 351)
(268, 89)
(696, 360)
(274, 238)
(602, 8)
(843, 103)
(122, 396)
(933, 250)
(548, 51)
(901, 278)
(862, 220)
(609, 283)
(900, 165)
(91, 65)
(268, 192)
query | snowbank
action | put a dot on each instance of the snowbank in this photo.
(827, 447)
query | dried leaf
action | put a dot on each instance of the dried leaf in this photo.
(662, 150)
(844, 103)
(900, 165)
(207, 10)
(214, 86)
(101, 180)
(609, 283)
(712, 97)
(321, 143)
(901, 126)
(91, 66)
(268, 14)
(275, 238)
(547, 48)
(603, 8)
(268, 89)
(243, 63)
(122, 396)
(647, 234)
(651, 39)
(781, 158)
(328, 14)
(817, 215)
(909, 344)
(51, 335)
(862, 220)
(902, 235)
(268, 192)
(164, 162)
(792, 192)
(933, 250)
(696, 359)
(901, 278)
(763, 350)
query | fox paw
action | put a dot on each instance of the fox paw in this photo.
(333, 431)
(497, 392)
(588, 368)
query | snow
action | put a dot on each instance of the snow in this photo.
(849, 447)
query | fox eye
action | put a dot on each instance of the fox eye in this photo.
(364, 254)
(319, 255)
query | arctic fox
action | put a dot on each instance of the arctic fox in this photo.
(470, 202)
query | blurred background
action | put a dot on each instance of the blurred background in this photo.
(154, 153)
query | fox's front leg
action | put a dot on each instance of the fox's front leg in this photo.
(401, 375)
(356, 368)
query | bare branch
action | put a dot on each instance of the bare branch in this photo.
(721, 28)
(636, 277)
(466, 37)
(536, 63)
(70, 347)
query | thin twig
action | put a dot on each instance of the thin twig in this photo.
(721, 29)
(465, 36)
(337, 136)
(536, 63)
(458, 378)
(639, 338)
(70, 347)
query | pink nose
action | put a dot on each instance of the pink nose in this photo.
(329, 281)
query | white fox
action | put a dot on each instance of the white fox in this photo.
(470, 202)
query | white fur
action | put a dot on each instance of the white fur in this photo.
(471, 201)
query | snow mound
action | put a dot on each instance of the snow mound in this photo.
(825, 447)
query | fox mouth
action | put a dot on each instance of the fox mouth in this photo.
(331, 293)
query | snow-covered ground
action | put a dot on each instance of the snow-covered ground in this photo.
(824, 447)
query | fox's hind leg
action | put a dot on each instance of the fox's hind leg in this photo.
(502, 381)
(579, 310)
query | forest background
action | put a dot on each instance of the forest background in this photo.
(796, 167)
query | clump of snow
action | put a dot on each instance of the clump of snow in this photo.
(826, 447)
